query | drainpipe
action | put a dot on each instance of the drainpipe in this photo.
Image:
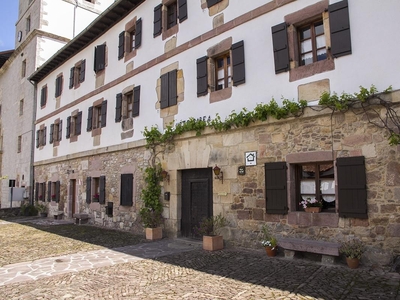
(32, 169)
(73, 24)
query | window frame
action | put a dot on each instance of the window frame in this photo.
(41, 137)
(226, 69)
(313, 38)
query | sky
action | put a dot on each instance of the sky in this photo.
(8, 18)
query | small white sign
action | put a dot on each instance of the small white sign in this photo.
(251, 158)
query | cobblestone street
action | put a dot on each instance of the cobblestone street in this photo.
(179, 269)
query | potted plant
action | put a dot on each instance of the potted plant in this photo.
(311, 205)
(269, 241)
(42, 209)
(53, 197)
(96, 197)
(352, 249)
(210, 228)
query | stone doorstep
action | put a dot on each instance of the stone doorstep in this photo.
(81, 218)
(313, 246)
(58, 215)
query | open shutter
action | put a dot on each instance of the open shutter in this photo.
(281, 48)
(60, 131)
(89, 119)
(44, 135)
(68, 129)
(88, 189)
(202, 76)
(212, 2)
(339, 24)
(102, 195)
(82, 71)
(183, 15)
(57, 191)
(138, 33)
(71, 77)
(118, 108)
(157, 20)
(78, 124)
(51, 133)
(100, 58)
(238, 66)
(104, 113)
(276, 188)
(126, 189)
(48, 191)
(58, 86)
(172, 88)
(44, 191)
(352, 187)
(43, 96)
(164, 91)
(121, 45)
(37, 138)
(37, 191)
(136, 101)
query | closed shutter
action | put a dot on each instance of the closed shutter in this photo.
(71, 77)
(104, 113)
(102, 195)
(172, 88)
(121, 45)
(60, 131)
(37, 138)
(58, 86)
(118, 108)
(202, 76)
(68, 129)
(136, 101)
(183, 15)
(164, 91)
(157, 20)
(238, 65)
(126, 189)
(281, 48)
(51, 133)
(78, 124)
(89, 119)
(352, 187)
(82, 71)
(49, 191)
(37, 191)
(138, 33)
(88, 189)
(276, 188)
(43, 96)
(339, 24)
(100, 58)
(57, 191)
(212, 2)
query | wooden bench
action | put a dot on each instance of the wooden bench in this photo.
(58, 215)
(328, 249)
(81, 218)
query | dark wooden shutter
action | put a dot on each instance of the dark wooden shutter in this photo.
(88, 189)
(82, 71)
(44, 135)
(100, 58)
(57, 191)
(43, 96)
(49, 191)
(58, 86)
(121, 45)
(51, 133)
(183, 15)
(212, 2)
(37, 191)
(352, 187)
(238, 65)
(136, 101)
(138, 33)
(172, 88)
(281, 48)
(89, 119)
(118, 108)
(68, 129)
(102, 195)
(339, 24)
(164, 91)
(44, 191)
(104, 113)
(78, 124)
(37, 138)
(202, 76)
(126, 189)
(71, 77)
(276, 188)
(157, 20)
(60, 130)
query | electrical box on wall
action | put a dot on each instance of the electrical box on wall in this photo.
(166, 196)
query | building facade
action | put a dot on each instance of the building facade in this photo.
(38, 36)
(157, 64)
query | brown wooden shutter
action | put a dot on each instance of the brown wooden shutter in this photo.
(276, 188)
(238, 65)
(121, 45)
(126, 189)
(212, 2)
(37, 191)
(44, 135)
(43, 96)
(339, 24)
(202, 76)
(164, 91)
(183, 15)
(78, 124)
(71, 77)
(136, 101)
(51, 133)
(37, 138)
(59, 81)
(118, 108)
(172, 88)
(60, 131)
(352, 187)
(82, 71)
(157, 20)
(138, 33)
(49, 191)
(99, 58)
(89, 119)
(104, 113)
(57, 191)
(68, 129)
(44, 191)
(88, 190)
(102, 195)
(281, 48)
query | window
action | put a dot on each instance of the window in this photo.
(126, 190)
(166, 18)
(299, 43)
(59, 85)
(41, 137)
(96, 189)
(168, 89)
(74, 126)
(40, 191)
(223, 72)
(43, 96)
(212, 2)
(28, 24)
(55, 133)
(99, 58)
(23, 68)
(19, 145)
(21, 107)
(53, 191)
(97, 115)
(77, 74)
(130, 39)
(128, 104)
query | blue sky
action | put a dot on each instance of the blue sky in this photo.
(8, 18)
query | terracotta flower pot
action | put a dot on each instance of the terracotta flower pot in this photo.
(353, 263)
(270, 251)
(313, 209)
(212, 243)
(154, 233)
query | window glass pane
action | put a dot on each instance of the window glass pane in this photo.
(319, 28)
(306, 46)
(306, 59)
(321, 54)
(321, 41)
(305, 33)
(228, 60)
(220, 74)
(220, 62)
